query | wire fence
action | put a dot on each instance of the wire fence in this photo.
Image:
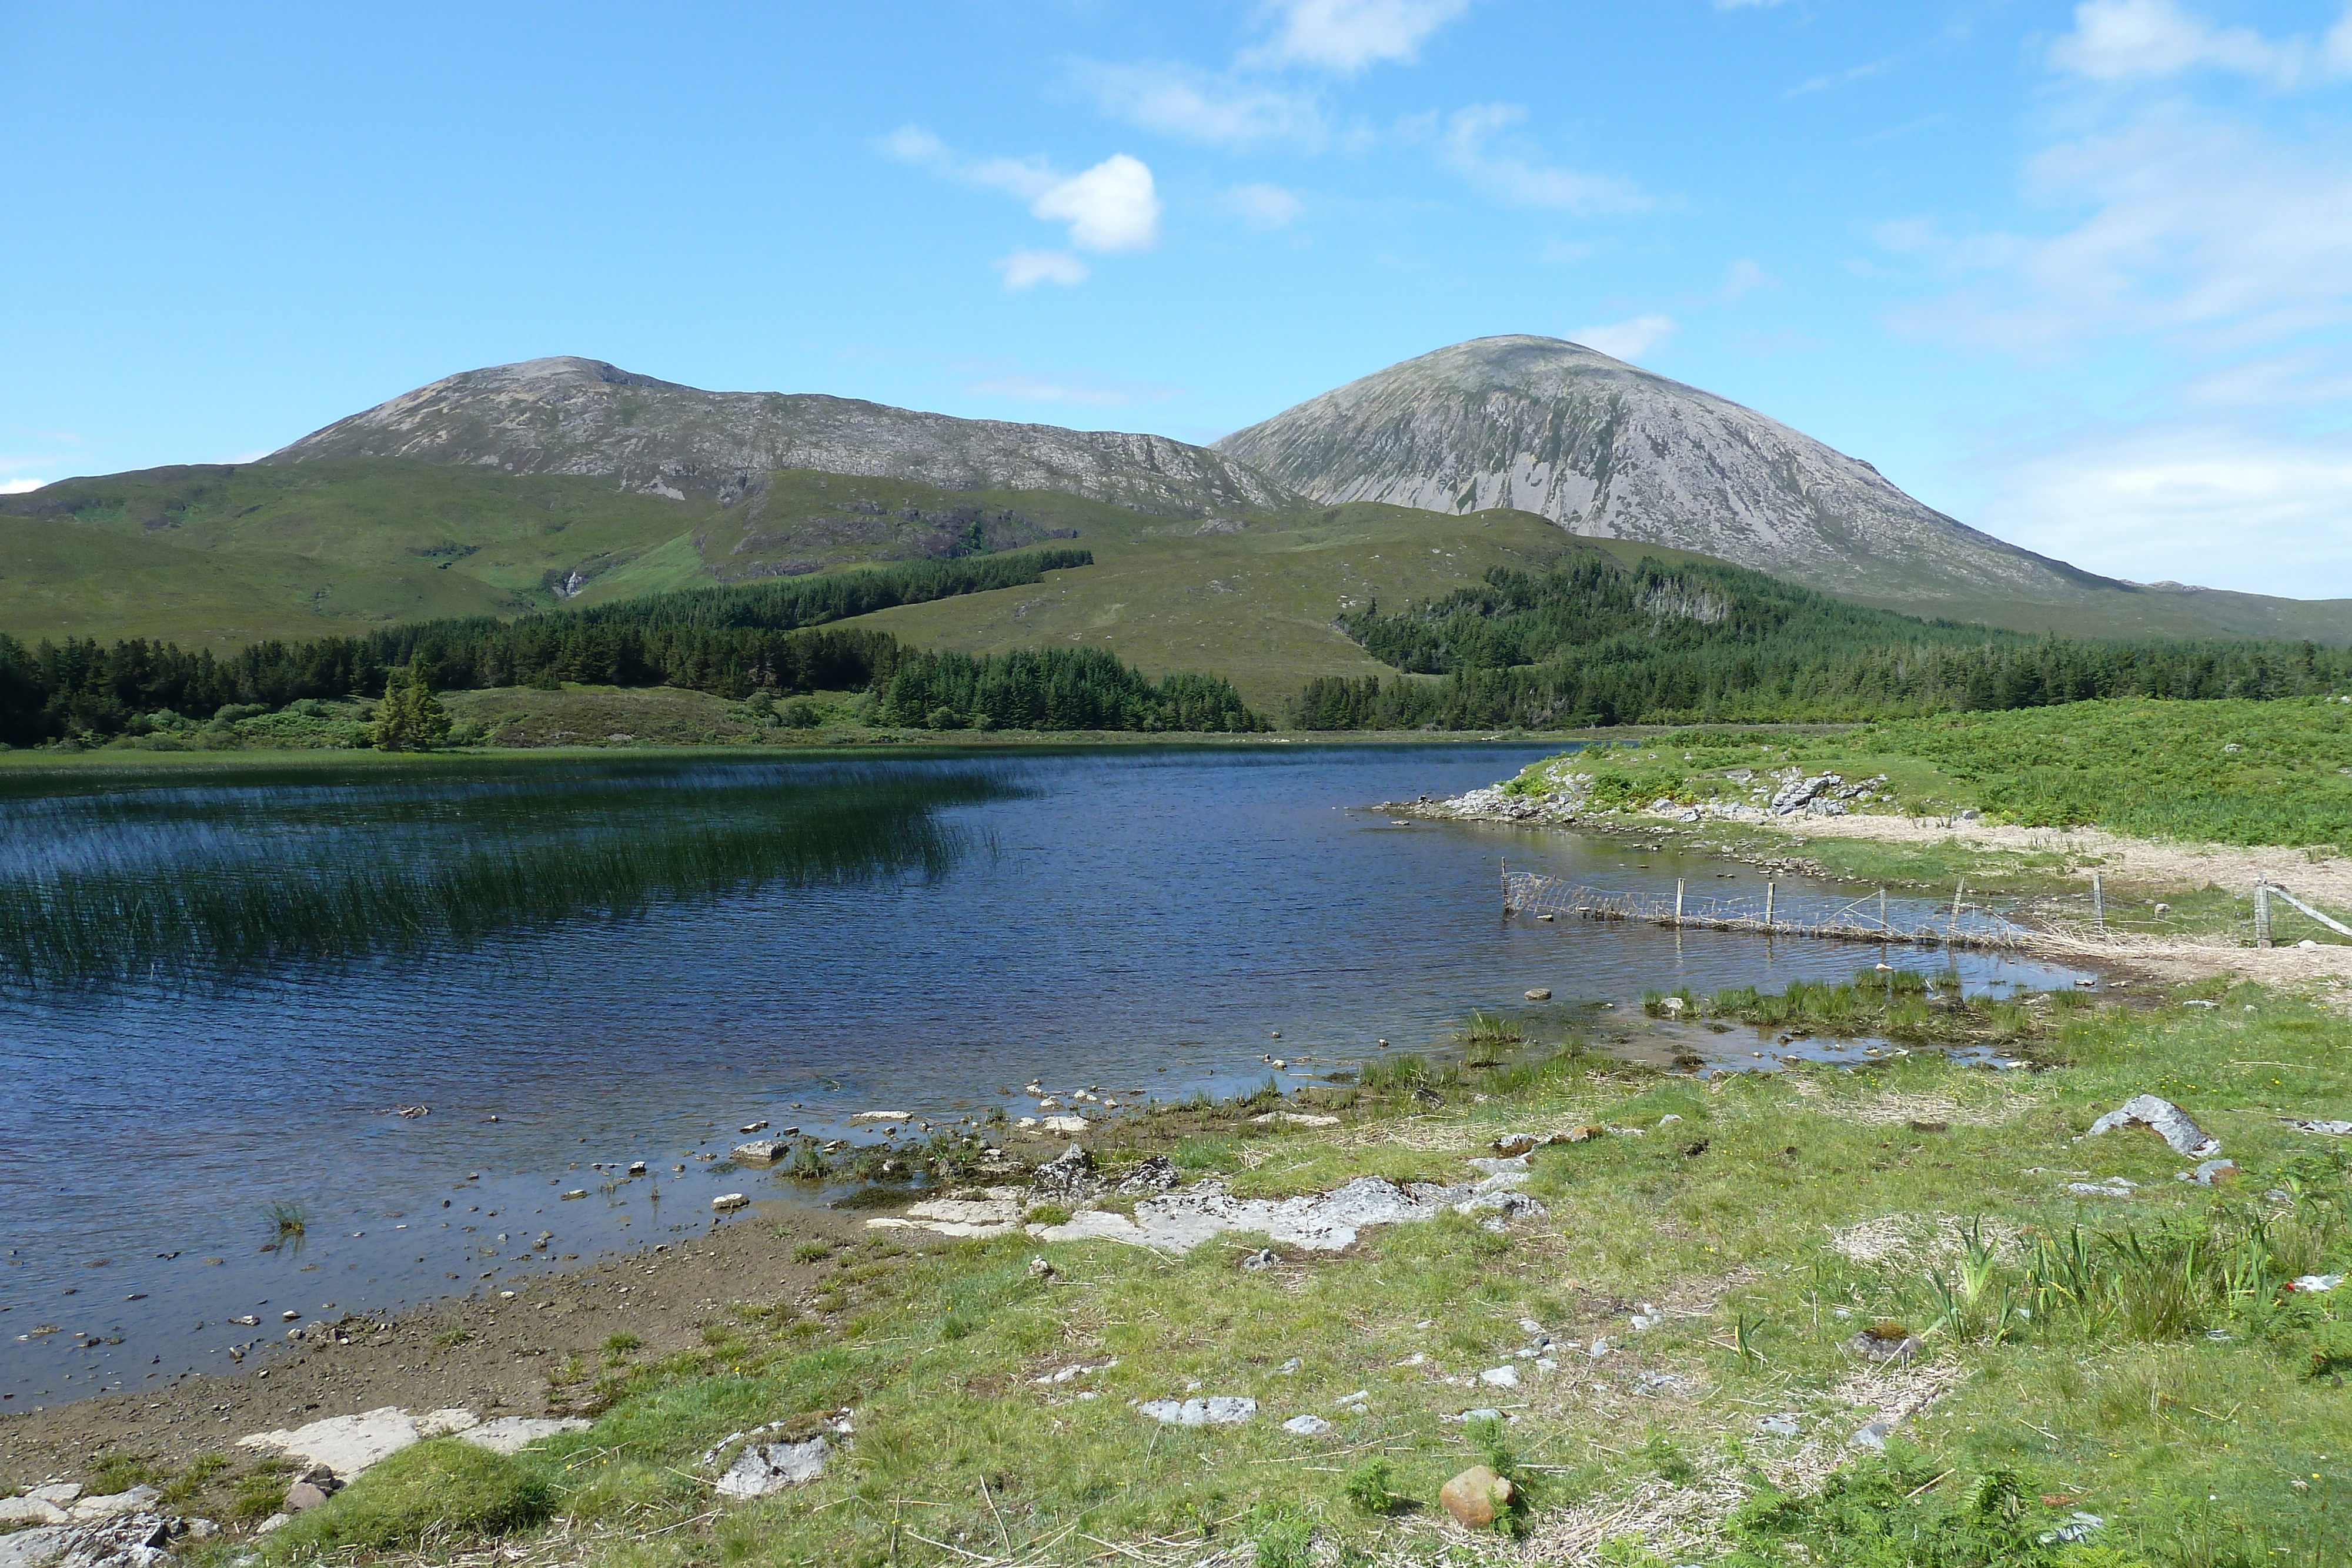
(1776, 913)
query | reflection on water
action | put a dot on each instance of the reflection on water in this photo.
(601, 962)
(190, 883)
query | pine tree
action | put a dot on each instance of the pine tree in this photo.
(410, 717)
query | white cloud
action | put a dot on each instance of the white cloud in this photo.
(1743, 276)
(20, 486)
(1264, 206)
(2204, 230)
(2116, 40)
(1193, 106)
(1027, 269)
(1346, 36)
(2185, 502)
(1626, 340)
(1111, 207)
(1025, 178)
(1476, 143)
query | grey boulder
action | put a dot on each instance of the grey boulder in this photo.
(2168, 1120)
(765, 1467)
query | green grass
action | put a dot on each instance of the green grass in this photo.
(2226, 772)
(434, 1492)
(2073, 1334)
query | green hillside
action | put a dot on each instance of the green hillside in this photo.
(1257, 601)
(224, 556)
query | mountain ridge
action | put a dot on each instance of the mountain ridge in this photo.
(566, 414)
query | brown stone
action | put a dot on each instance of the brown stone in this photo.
(1477, 1497)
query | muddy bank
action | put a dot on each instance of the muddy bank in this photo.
(535, 1351)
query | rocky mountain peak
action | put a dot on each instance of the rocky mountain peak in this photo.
(1606, 448)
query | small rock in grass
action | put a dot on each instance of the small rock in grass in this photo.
(2323, 1128)
(1477, 1497)
(1500, 1378)
(1784, 1425)
(1886, 1342)
(1873, 1435)
(1308, 1426)
(2168, 1120)
(1264, 1258)
(1041, 1269)
(766, 1467)
(1221, 1410)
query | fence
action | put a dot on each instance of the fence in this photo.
(1864, 919)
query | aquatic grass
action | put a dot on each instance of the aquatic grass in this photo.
(179, 885)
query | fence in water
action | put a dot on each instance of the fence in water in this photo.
(1776, 914)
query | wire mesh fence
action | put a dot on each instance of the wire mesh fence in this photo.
(1778, 911)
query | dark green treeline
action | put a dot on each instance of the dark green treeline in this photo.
(729, 642)
(1598, 644)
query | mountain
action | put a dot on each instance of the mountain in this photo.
(570, 415)
(1604, 448)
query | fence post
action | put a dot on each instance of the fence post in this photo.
(1881, 909)
(2099, 903)
(1678, 901)
(2261, 914)
(1769, 887)
(1955, 924)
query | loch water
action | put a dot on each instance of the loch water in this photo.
(220, 988)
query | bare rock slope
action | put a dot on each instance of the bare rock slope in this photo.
(571, 415)
(1605, 448)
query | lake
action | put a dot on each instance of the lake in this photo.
(218, 989)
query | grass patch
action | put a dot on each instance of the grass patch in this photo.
(2228, 771)
(441, 1491)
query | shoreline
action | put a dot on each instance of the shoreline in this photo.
(1043, 1345)
(2139, 865)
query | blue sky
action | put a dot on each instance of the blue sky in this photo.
(2079, 273)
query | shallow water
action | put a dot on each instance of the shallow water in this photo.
(602, 962)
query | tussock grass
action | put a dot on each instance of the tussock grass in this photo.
(442, 1490)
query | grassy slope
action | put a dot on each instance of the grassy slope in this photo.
(308, 550)
(2220, 772)
(1255, 605)
(2194, 1426)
